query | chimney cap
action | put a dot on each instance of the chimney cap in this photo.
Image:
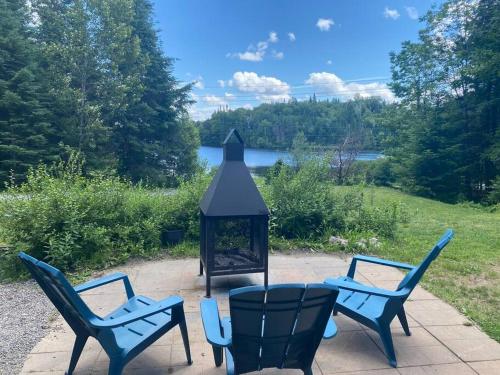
(233, 133)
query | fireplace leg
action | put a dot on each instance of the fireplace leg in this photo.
(201, 268)
(208, 287)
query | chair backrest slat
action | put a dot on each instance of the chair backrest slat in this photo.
(278, 327)
(413, 277)
(61, 294)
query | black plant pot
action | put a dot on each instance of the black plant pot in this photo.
(171, 237)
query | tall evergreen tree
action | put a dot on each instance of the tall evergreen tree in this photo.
(73, 62)
(27, 136)
(448, 81)
(153, 140)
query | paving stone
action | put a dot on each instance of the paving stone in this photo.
(475, 350)
(350, 351)
(445, 369)
(385, 371)
(486, 367)
(290, 275)
(434, 312)
(201, 353)
(419, 337)
(421, 348)
(459, 332)
(345, 323)
(468, 342)
(59, 361)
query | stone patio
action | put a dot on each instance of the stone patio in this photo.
(443, 341)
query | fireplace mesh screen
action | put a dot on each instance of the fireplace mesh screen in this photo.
(234, 245)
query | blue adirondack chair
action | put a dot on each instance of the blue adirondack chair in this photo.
(375, 307)
(279, 327)
(125, 332)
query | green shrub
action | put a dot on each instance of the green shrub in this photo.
(184, 208)
(78, 222)
(306, 204)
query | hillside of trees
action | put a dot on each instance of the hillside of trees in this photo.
(90, 76)
(275, 126)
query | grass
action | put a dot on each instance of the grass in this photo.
(467, 273)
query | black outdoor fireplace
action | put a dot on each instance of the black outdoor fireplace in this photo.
(233, 219)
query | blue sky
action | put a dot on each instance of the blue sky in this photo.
(243, 53)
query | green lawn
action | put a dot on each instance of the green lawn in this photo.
(467, 273)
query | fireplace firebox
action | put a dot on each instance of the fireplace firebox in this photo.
(233, 219)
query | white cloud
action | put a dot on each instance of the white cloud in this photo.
(412, 12)
(207, 104)
(278, 55)
(214, 100)
(330, 84)
(324, 24)
(391, 13)
(250, 56)
(221, 83)
(267, 89)
(198, 83)
(291, 37)
(329, 62)
(255, 54)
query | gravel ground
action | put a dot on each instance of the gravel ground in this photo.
(25, 315)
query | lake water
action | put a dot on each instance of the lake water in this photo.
(255, 158)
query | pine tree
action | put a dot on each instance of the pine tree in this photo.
(72, 61)
(26, 135)
(151, 137)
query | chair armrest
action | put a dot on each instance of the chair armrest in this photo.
(374, 260)
(367, 289)
(330, 330)
(106, 280)
(212, 324)
(165, 304)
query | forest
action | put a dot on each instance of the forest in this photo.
(323, 123)
(90, 76)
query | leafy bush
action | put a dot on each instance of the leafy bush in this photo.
(184, 210)
(76, 222)
(305, 204)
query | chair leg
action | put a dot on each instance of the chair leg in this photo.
(217, 355)
(308, 371)
(229, 363)
(185, 339)
(77, 351)
(115, 367)
(386, 336)
(403, 321)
